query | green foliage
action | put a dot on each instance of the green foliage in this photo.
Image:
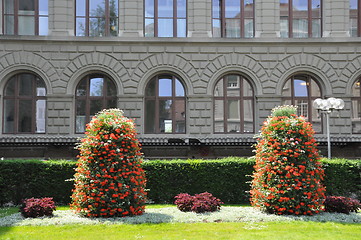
(109, 180)
(226, 178)
(288, 174)
(284, 111)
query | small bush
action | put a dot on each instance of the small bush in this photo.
(184, 202)
(199, 203)
(341, 204)
(37, 207)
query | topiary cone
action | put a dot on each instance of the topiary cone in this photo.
(109, 180)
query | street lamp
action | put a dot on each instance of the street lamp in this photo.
(327, 106)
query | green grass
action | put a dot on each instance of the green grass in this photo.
(8, 211)
(244, 231)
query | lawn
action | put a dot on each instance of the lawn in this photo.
(251, 225)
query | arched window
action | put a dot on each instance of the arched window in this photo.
(301, 18)
(24, 104)
(96, 18)
(25, 17)
(233, 19)
(233, 105)
(165, 105)
(301, 90)
(94, 93)
(356, 107)
(165, 18)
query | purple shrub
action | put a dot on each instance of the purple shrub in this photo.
(37, 207)
(341, 204)
(199, 203)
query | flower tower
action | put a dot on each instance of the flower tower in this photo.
(288, 174)
(109, 180)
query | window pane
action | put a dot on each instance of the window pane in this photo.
(26, 25)
(165, 8)
(248, 28)
(316, 120)
(43, 7)
(287, 90)
(353, 4)
(216, 28)
(356, 89)
(233, 86)
(25, 116)
(10, 87)
(150, 116)
(300, 5)
(113, 8)
(284, 27)
(180, 116)
(150, 91)
(353, 27)
(165, 116)
(181, 8)
(165, 27)
(9, 6)
(316, 8)
(80, 27)
(315, 90)
(216, 8)
(149, 8)
(40, 116)
(81, 89)
(9, 25)
(80, 8)
(232, 8)
(356, 116)
(248, 116)
(27, 5)
(165, 87)
(80, 116)
(302, 109)
(218, 90)
(179, 89)
(300, 88)
(9, 107)
(181, 28)
(149, 28)
(97, 8)
(40, 87)
(26, 84)
(233, 28)
(300, 28)
(233, 119)
(218, 116)
(96, 86)
(96, 27)
(113, 26)
(43, 26)
(247, 89)
(316, 28)
(248, 9)
(111, 88)
(95, 107)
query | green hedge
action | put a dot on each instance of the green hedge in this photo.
(228, 179)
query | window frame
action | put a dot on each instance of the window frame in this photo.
(156, 98)
(242, 19)
(156, 19)
(87, 18)
(309, 96)
(16, 15)
(309, 19)
(225, 98)
(358, 99)
(358, 20)
(17, 98)
(87, 98)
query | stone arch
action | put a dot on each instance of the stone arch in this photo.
(350, 74)
(234, 63)
(159, 63)
(308, 64)
(95, 62)
(18, 62)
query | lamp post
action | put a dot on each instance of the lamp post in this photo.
(327, 106)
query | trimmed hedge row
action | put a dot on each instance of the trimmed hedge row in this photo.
(227, 179)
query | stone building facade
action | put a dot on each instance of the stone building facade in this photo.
(198, 61)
